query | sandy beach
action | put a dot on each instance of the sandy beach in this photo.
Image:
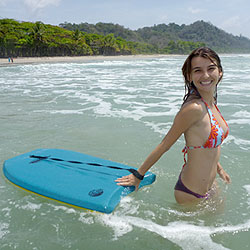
(27, 60)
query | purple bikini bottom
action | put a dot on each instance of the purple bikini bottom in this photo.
(181, 187)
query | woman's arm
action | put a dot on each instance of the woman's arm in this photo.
(185, 118)
(222, 173)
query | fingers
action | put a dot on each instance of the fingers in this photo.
(225, 177)
(124, 178)
(228, 179)
(128, 180)
(124, 181)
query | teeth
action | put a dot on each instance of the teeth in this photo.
(206, 83)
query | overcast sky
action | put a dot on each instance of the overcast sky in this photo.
(233, 16)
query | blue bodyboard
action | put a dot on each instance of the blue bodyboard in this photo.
(71, 177)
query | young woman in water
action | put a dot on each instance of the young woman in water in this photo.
(203, 127)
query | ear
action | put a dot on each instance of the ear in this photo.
(220, 75)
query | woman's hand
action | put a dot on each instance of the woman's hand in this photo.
(224, 176)
(129, 180)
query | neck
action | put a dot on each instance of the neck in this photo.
(208, 98)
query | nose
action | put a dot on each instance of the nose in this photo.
(206, 74)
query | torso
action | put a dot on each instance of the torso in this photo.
(198, 134)
(200, 170)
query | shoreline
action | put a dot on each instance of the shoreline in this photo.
(80, 59)
(56, 59)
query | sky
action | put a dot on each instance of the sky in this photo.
(230, 15)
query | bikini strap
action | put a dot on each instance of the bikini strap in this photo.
(208, 107)
(211, 114)
(184, 150)
(227, 132)
(221, 115)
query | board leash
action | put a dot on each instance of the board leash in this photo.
(131, 170)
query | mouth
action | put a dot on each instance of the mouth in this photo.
(206, 83)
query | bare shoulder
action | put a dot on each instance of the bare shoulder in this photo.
(191, 112)
(193, 107)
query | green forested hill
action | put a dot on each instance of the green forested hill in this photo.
(164, 37)
(38, 39)
(105, 29)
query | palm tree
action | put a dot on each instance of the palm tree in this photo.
(37, 37)
(109, 45)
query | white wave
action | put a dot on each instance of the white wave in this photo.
(242, 113)
(233, 55)
(7, 211)
(235, 104)
(242, 143)
(67, 209)
(186, 235)
(104, 108)
(128, 205)
(63, 112)
(239, 121)
(86, 219)
(66, 112)
(183, 214)
(161, 128)
(247, 187)
(119, 225)
(31, 206)
(3, 229)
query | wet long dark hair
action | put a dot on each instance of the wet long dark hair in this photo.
(190, 88)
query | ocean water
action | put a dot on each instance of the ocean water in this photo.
(120, 110)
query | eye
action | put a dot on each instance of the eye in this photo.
(212, 68)
(197, 70)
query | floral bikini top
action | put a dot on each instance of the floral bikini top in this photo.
(216, 136)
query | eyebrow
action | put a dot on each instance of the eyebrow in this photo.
(196, 68)
(211, 65)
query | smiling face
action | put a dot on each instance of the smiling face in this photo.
(205, 74)
(202, 71)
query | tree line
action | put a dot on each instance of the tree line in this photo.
(165, 36)
(37, 39)
(25, 39)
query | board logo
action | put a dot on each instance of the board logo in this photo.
(96, 192)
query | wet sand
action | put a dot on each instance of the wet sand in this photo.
(25, 60)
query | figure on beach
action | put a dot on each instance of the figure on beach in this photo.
(204, 129)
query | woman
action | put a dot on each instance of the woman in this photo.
(203, 127)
